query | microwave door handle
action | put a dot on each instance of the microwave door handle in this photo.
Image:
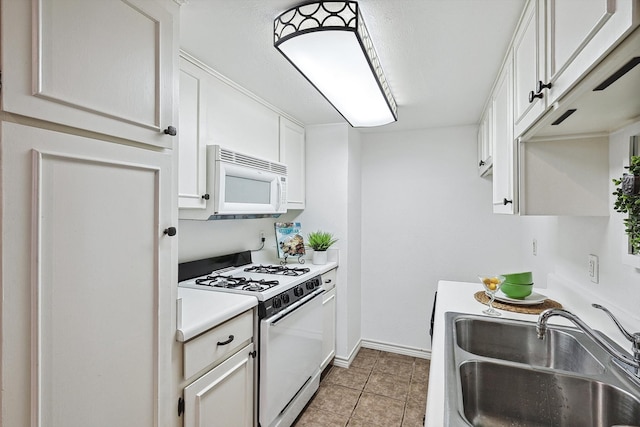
(279, 194)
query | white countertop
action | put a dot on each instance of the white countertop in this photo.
(458, 297)
(201, 310)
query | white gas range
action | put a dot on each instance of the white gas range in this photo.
(290, 335)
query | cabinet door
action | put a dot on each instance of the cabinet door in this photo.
(240, 121)
(328, 327)
(224, 396)
(504, 162)
(292, 153)
(105, 66)
(485, 147)
(192, 149)
(528, 67)
(88, 282)
(579, 34)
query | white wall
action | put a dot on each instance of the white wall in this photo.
(354, 237)
(426, 216)
(564, 244)
(203, 239)
(333, 204)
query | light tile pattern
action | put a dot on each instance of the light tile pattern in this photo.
(380, 389)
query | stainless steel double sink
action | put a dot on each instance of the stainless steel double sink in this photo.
(498, 373)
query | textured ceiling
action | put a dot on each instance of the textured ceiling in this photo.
(439, 56)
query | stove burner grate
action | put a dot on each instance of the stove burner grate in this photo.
(277, 269)
(231, 282)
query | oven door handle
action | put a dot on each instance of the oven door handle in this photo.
(278, 316)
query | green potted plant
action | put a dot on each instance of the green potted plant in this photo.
(320, 241)
(628, 201)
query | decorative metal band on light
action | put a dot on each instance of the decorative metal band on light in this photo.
(334, 16)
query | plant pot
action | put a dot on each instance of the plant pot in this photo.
(319, 257)
(630, 184)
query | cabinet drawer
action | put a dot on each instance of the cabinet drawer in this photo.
(329, 280)
(214, 346)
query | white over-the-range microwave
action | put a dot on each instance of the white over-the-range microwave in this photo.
(241, 185)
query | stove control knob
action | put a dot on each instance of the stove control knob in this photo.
(298, 291)
(285, 298)
(310, 285)
(277, 303)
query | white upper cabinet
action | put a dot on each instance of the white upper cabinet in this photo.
(192, 148)
(557, 43)
(504, 160)
(485, 142)
(236, 118)
(528, 67)
(579, 33)
(565, 177)
(105, 66)
(292, 153)
(216, 111)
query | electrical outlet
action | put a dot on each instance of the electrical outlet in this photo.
(593, 268)
(535, 247)
(262, 236)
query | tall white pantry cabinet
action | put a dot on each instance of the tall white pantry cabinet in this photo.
(88, 201)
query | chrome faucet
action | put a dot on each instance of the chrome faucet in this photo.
(632, 364)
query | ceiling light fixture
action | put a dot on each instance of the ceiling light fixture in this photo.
(329, 44)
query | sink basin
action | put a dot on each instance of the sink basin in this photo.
(505, 395)
(518, 342)
(498, 373)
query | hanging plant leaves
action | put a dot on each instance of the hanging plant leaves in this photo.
(628, 201)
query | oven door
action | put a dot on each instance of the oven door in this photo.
(290, 357)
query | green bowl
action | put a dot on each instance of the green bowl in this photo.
(525, 278)
(515, 290)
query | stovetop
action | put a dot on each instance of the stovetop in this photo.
(276, 287)
(236, 273)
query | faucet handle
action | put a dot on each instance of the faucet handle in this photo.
(634, 338)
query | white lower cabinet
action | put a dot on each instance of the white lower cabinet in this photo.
(329, 318)
(219, 374)
(223, 396)
(87, 281)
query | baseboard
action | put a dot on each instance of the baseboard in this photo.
(394, 348)
(343, 362)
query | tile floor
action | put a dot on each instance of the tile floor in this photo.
(380, 389)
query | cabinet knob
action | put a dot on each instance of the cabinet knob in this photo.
(171, 131)
(481, 163)
(205, 196)
(171, 231)
(506, 202)
(533, 95)
(541, 86)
